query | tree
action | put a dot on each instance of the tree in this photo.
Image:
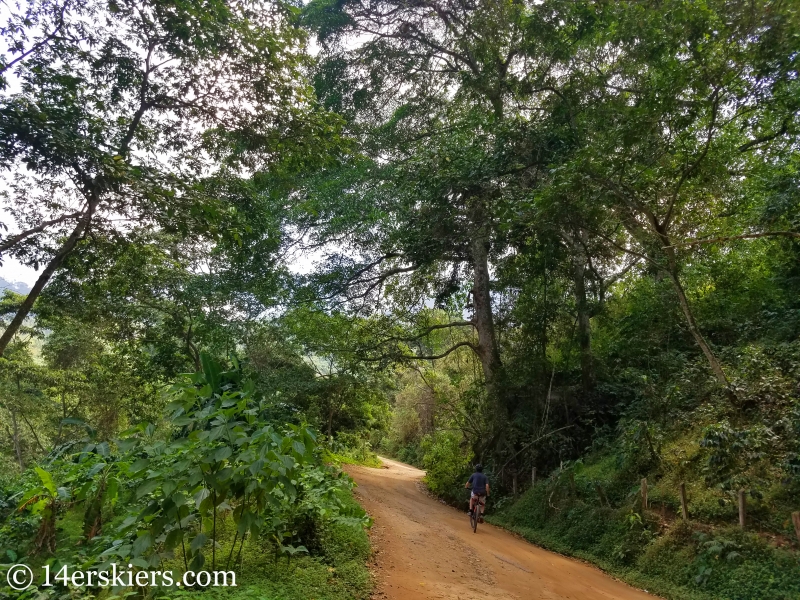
(347, 393)
(672, 104)
(445, 97)
(120, 116)
(21, 383)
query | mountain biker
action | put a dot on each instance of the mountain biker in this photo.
(479, 484)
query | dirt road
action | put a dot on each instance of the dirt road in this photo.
(425, 549)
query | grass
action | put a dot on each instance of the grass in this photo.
(364, 459)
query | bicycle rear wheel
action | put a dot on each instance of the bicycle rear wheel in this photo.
(473, 518)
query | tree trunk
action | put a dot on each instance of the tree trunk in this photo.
(47, 273)
(584, 324)
(716, 366)
(483, 318)
(488, 352)
(673, 272)
(191, 348)
(17, 442)
(545, 313)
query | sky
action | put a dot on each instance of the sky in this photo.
(12, 270)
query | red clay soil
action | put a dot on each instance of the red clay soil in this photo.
(425, 549)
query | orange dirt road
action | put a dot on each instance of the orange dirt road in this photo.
(424, 549)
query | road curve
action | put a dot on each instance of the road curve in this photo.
(425, 549)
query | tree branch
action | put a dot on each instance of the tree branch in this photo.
(744, 236)
(33, 431)
(354, 278)
(44, 277)
(606, 284)
(426, 331)
(38, 45)
(688, 171)
(766, 138)
(10, 242)
(373, 282)
(421, 334)
(528, 445)
(124, 145)
(417, 357)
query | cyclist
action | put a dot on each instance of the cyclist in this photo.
(479, 484)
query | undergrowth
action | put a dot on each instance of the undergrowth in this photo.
(652, 549)
(351, 449)
(336, 571)
(210, 487)
(335, 568)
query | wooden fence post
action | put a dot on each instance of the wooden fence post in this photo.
(644, 493)
(796, 521)
(742, 509)
(533, 476)
(684, 509)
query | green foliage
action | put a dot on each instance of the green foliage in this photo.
(352, 449)
(211, 475)
(336, 572)
(680, 563)
(731, 451)
(447, 466)
(557, 236)
(221, 457)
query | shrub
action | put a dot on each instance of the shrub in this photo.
(447, 465)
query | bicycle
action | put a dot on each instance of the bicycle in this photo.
(477, 513)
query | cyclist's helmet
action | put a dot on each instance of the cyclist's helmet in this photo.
(479, 468)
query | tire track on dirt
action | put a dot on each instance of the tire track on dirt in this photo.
(426, 550)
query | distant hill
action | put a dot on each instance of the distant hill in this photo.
(14, 286)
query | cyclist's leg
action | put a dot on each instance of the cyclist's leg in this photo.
(473, 500)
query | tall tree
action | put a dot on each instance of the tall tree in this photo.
(116, 118)
(672, 101)
(446, 98)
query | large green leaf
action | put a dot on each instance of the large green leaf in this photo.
(142, 544)
(211, 370)
(198, 542)
(173, 538)
(147, 487)
(47, 480)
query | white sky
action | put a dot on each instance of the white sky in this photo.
(12, 270)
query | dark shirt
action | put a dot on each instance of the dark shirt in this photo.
(478, 481)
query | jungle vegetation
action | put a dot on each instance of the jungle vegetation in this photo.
(561, 238)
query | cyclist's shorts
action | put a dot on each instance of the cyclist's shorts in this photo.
(481, 495)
